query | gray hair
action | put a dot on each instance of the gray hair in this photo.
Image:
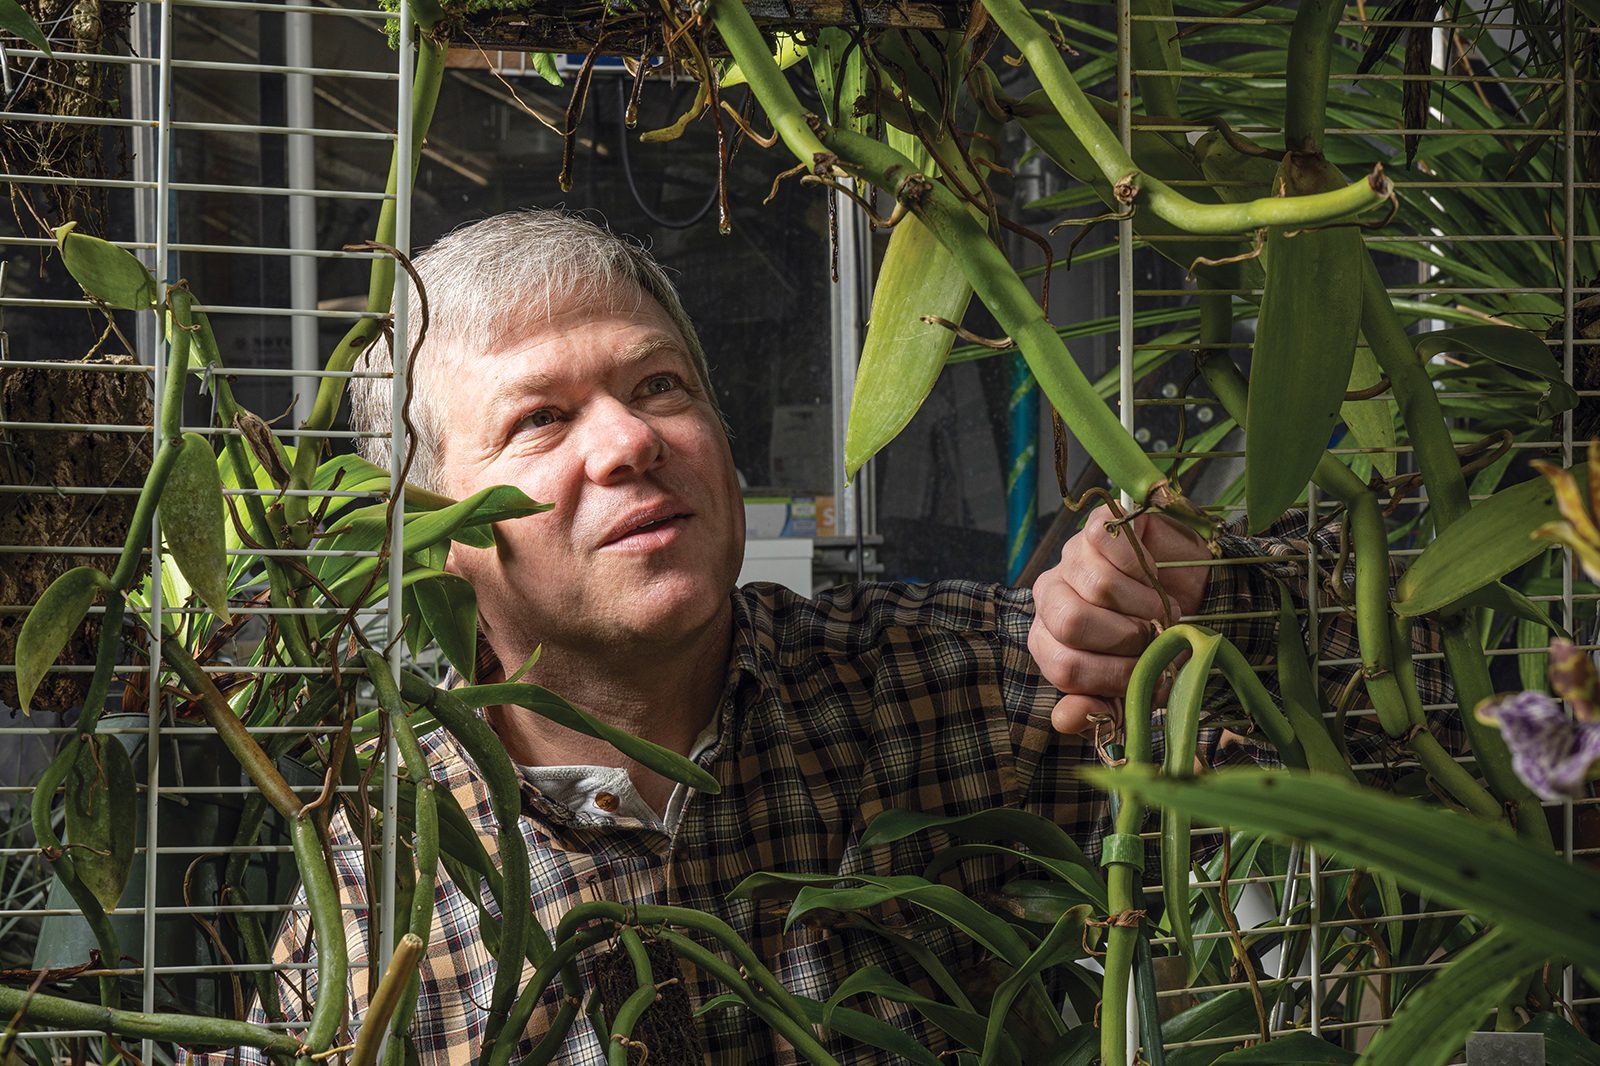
(489, 284)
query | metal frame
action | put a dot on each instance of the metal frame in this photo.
(153, 124)
(1311, 869)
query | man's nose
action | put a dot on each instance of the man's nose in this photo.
(620, 444)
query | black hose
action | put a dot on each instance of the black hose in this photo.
(627, 172)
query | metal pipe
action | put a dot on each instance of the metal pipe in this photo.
(163, 234)
(302, 174)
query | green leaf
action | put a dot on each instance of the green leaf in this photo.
(1562, 1042)
(1304, 350)
(1519, 349)
(544, 64)
(1040, 902)
(858, 1025)
(1081, 1047)
(1230, 1014)
(51, 622)
(769, 884)
(102, 814)
(787, 53)
(1038, 835)
(1084, 880)
(992, 932)
(965, 1027)
(548, 705)
(449, 609)
(1184, 707)
(194, 522)
(1242, 851)
(112, 275)
(1291, 1049)
(466, 520)
(1452, 856)
(1371, 421)
(1435, 1020)
(1487, 543)
(1063, 943)
(15, 20)
(1503, 599)
(1302, 700)
(902, 354)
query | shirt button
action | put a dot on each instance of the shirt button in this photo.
(606, 801)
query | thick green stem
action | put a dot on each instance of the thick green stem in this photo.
(1369, 541)
(105, 662)
(1370, 546)
(219, 715)
(991, 277)
(1385, 662)
(1123, 854)
(185, 1029)
(1448, 500)
(181, 300)
(792, 1026)
(1145, 189)
(522, 1010)
(505, 802)
(427, 801)
(1417, 398)
(333, 959)
(380, 289)
(397, 978)
(131, 561)
(44, 836)
(1309, 59)
(635, 1005)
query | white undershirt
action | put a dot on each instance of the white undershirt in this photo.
(605, 795)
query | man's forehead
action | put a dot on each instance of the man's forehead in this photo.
(522, 326)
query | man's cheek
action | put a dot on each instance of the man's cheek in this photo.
(470, 563)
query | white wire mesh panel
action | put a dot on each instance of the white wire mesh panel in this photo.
(237, 146)
(1492, 227)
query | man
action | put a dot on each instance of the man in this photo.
(559, 360)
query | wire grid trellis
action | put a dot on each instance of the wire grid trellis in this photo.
(192, 70)
(1291, 901)
(162, 59)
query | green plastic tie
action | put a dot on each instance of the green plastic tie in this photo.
(1126, 848)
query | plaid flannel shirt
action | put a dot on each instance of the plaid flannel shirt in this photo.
(835, 709)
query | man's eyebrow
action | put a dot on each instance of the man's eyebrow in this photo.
(508, 391)
(649, 348)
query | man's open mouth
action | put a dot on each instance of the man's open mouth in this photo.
(645, 523)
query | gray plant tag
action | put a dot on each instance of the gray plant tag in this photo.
(1505, 1049)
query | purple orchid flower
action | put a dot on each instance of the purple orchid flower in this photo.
(1551, 752)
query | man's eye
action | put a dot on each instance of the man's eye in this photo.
(660, 383)
(544, 416)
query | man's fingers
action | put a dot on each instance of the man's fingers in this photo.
(1077, 672)
(1162, 541)
(1077, 623)
(1106, 586)
(1077, 714)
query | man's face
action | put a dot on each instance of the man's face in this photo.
(598, 411)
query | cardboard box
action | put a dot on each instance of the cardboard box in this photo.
(772, 517)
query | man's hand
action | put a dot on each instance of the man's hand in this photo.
(1097, 610)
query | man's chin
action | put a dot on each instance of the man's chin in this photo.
(669, 608)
